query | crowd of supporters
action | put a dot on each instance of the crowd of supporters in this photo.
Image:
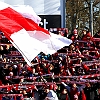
(72, 73)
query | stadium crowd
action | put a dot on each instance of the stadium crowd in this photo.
(72, 73)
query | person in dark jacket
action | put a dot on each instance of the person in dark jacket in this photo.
(89, 92)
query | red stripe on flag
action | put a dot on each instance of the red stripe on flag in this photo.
(8, 26)
(38, 27)
(26, 23)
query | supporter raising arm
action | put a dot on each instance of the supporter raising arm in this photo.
(74, 91)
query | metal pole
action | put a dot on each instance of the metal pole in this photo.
(91, 17)
(64, 14)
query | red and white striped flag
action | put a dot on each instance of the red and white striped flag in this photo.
(27, 36)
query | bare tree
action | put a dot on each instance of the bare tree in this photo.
(78, 15)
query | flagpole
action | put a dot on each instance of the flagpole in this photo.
(21, 52)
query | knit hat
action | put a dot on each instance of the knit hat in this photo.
(75, 32)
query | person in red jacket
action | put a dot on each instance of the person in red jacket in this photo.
(75, 35)
(87, 36)
(83, 96)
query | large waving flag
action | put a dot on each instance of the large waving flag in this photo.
(27, 46)
(26, 35)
